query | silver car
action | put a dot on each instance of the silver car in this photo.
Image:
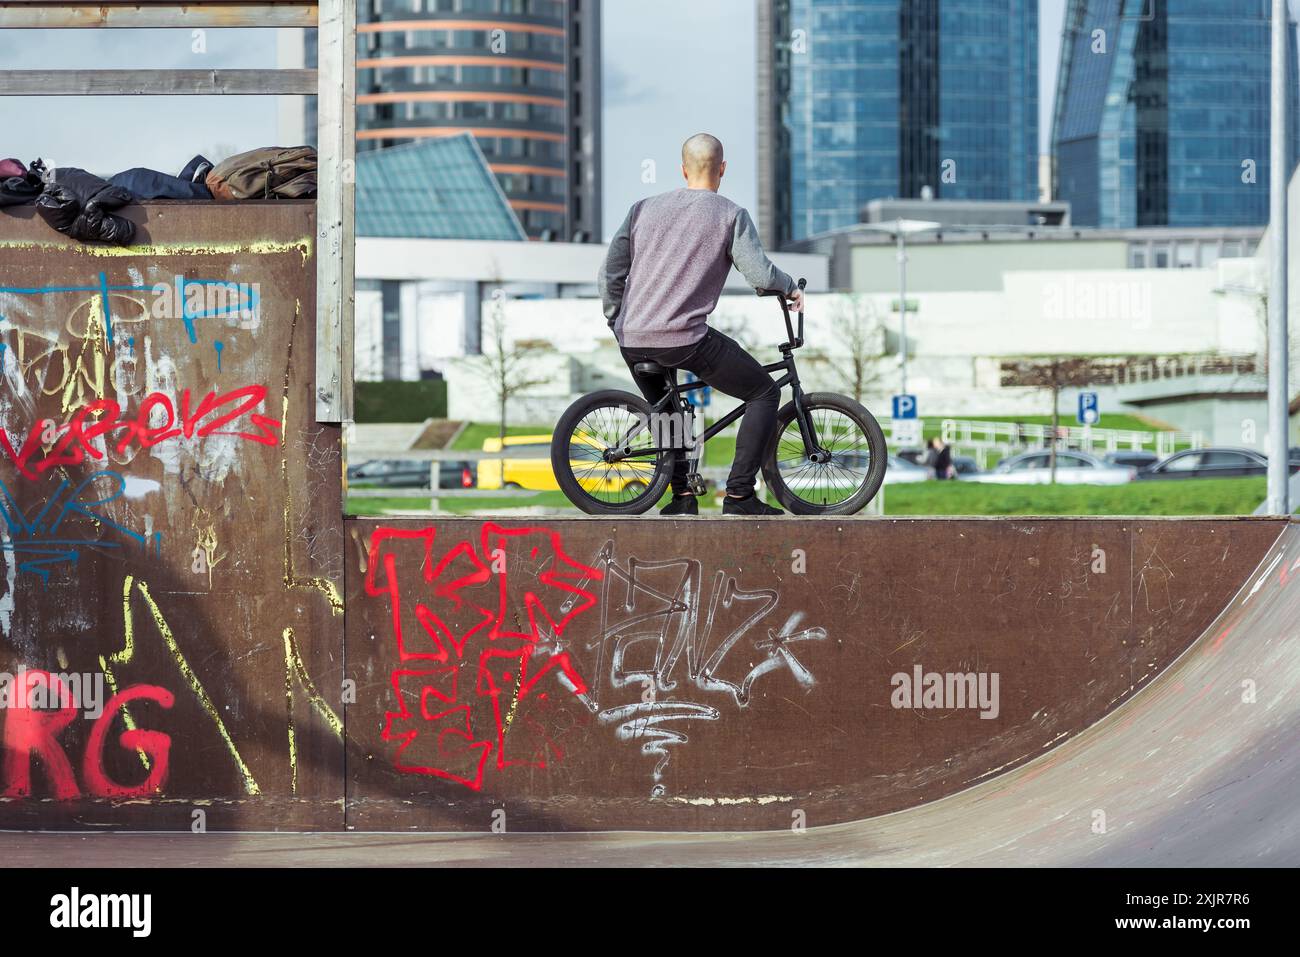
(1072, 468)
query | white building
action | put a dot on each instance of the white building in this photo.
(1187, 341)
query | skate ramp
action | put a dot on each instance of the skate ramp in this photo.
(721, 675)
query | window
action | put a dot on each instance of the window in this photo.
(1137, 257)
(1187, 462)
(1228, 460)
(1030, 462)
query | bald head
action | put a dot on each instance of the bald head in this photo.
(702, 161)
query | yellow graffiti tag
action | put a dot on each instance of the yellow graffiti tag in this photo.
(182, 665)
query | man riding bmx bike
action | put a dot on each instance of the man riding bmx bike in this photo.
(662, 278)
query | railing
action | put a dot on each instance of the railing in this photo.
(1009, 436)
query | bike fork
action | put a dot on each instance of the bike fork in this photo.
(811, 446)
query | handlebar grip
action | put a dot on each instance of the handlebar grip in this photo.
(803, 283)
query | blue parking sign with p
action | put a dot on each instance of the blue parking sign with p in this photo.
(905, 407)
(700, 397)
(1089, 408)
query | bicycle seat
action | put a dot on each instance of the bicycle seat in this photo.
(649, 368)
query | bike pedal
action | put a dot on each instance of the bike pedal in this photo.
(696, 484)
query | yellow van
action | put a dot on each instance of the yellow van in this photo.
(535, 472)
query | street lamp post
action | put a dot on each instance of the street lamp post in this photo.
(1278, 398)
(901, 228)
(902, 306)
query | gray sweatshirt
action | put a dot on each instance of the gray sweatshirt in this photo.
(668, 262)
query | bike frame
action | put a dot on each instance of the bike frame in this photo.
(673, 400)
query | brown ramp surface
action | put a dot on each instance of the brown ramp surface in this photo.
(1200, 767)
(584, 675)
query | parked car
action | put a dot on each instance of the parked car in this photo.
(1072, 468)
(900, 471)
(1136, 458)
(966, 466)
(849, 468)
(533, 469)
(412, 473)
(1214, 462)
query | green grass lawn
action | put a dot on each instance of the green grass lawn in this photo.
(1193, 497)
(471, 439)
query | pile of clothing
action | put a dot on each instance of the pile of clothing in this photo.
(84, 207)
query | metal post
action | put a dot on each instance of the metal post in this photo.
(902, 303)
(1278, 413)
(335, 209)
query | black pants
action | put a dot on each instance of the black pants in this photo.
(721, 362)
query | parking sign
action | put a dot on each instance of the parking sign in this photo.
(906, 432)
(1089, 408)
(904, 407)
(700, 398)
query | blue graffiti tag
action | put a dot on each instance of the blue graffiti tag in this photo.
(39, 535)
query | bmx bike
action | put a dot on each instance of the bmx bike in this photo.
(613, 452)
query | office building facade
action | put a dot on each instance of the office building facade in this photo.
(521, 76)
(879, 99)
(1162, 113)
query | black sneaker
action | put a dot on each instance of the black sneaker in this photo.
(751, 504)
(681, 505)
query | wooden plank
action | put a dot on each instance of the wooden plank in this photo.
(347, 332)
(157, 82)
(15, 14)
(231, 564)
(336, 235)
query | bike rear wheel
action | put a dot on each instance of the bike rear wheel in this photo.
(590, 428)
(856, 469)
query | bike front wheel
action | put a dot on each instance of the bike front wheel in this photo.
(588, 431)
(848, 479)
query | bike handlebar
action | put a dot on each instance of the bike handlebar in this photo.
(794, 341)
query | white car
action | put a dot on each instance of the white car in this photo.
(1072, 468)
(900, 471)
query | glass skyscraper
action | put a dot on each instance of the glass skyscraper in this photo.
(873, 99)
(521, 76)
(1162, 112)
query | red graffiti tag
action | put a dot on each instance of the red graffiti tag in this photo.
(105, 418)
(486, 652)
(34, 732)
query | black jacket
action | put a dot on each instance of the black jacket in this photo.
(16, 190)
(79, 204)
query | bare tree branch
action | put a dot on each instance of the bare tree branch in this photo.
(506, 364)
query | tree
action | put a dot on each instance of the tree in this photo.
(857, 327)
(505, 363)
(1053, 375)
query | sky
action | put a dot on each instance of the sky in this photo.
(108, 134)
(690, 67)
(671, 68)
